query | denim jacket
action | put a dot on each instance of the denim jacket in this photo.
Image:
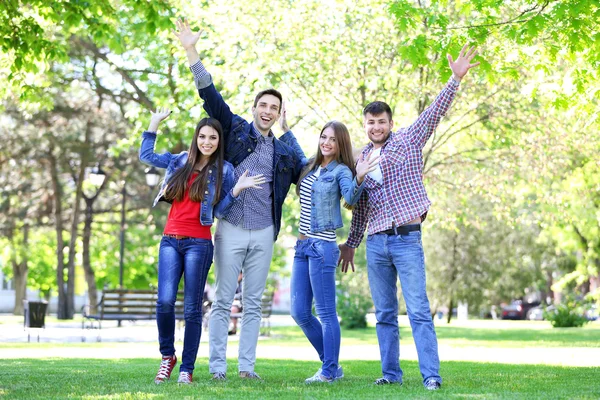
(334, 182)
(172, 162)
(240, 142)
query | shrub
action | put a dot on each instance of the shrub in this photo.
(353, 300)
(566, 315)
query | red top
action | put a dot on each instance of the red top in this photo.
(184, 217)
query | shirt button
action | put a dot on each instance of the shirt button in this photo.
(206, 192)
(249, 150)
(210, 171)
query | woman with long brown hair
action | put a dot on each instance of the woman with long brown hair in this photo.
(198, 183)
(327, 177)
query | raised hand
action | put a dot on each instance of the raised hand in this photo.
(346, 257)
(462, 65)
(245, 182)
(187, 38)
(283, 119)
(159, 115)
(364, 166)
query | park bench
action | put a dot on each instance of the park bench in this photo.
(266, 311)
(133, 305)
(127, 305)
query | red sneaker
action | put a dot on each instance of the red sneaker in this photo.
(166, 367)
(185, 378)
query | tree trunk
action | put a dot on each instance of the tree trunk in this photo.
(450, 306)
(20, 269)
(60, 244)
(90, 276)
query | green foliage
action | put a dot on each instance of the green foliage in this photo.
(568, 314)
(353, 297)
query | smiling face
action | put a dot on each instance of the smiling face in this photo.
(208, 140)
(266, 112)
(378, 128)
(328, 144)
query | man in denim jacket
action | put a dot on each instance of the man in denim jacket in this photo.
(245, 235)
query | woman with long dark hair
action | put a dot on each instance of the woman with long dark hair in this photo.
(327, 177)
(198, 183)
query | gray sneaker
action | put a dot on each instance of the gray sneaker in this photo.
(219, 376)
(432, 384)
(317, 377)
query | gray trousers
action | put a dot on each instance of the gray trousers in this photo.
(249, 251)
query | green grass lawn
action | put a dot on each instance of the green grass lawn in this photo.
(515, 334)
(133, 379)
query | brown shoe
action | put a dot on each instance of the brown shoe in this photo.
(250, 375)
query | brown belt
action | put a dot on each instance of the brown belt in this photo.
(176, 236)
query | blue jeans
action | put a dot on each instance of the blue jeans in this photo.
(191, 258)
(313, 274)
(389, 256)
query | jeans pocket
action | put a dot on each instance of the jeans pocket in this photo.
(412, 237)
(202, 242)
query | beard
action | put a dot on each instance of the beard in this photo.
(379, 139)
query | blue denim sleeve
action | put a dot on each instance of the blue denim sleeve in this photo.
(300, 158)
(147, 154)
(349, 188)
(226, 198)
(216, 107)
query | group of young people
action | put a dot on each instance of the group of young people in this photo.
(238, 172)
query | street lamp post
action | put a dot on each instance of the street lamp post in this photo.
(97, 176)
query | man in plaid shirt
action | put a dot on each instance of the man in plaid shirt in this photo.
(393, 204)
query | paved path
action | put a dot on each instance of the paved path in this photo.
(139, 340)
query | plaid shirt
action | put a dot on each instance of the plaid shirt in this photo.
(401, 197)
(254, 207)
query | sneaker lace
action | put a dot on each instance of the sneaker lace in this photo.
(432, 383)
(185, 376)
(381, 381)
(164, 369)
(219, 375)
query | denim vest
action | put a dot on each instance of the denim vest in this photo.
(240, 141)
(334, 182)
(172, 162)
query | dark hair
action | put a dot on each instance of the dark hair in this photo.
(272, 92)
(344, 155)
(177, 186)
(377, 108)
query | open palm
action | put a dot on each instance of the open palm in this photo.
(462, 65)
(185, 35)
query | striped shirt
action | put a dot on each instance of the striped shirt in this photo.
(400, 197)
(254, 208)
(305, 209)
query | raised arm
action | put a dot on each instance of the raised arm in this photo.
(289, 138)
(147, 154)
(214, 104)
(351, 188)
(420, 131)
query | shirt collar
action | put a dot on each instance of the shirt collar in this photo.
(259, 136)
(332, 164)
